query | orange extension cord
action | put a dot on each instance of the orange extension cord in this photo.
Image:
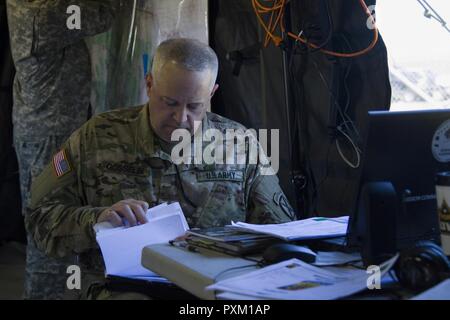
(276, 19)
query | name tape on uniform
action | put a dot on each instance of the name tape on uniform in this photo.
(220, 175)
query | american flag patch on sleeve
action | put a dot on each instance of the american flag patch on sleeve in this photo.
(61, 163)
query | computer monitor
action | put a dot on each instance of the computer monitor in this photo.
(396, 203)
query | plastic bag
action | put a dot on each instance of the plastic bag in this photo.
(122, 56)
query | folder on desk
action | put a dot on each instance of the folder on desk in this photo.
(224, 234)
(229, 240)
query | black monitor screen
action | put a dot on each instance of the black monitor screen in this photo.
(406, 149)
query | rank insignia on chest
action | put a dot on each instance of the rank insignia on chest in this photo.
(61, 163)
(222, 175)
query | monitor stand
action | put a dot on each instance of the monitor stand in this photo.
(374, 226)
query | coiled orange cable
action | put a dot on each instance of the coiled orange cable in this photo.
(278, 9)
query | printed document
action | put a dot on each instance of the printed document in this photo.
(296, 280)
(122, 246)
(312, 228)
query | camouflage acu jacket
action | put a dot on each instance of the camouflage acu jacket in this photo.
(51, 60)
(116, 156)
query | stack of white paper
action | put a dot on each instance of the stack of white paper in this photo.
(122, 246)
(312, 228)
(296, 280)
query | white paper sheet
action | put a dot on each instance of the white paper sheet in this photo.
(294, 279)
(235, 296)
(312, 228)
(122, 247)
(166, 209)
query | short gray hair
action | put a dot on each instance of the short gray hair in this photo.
(191, 54)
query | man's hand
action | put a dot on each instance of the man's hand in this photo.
(133, 211)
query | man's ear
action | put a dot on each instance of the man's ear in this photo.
(149, 83)
(216, 86)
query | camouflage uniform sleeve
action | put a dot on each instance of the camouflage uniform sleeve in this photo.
(59, 219)
(266, 201)
(50, 23)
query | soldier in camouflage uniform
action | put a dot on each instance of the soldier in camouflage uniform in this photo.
(51, 100)
(120, 163)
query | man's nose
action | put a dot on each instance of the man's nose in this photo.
(181, 115)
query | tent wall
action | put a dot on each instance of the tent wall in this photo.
(317, 84)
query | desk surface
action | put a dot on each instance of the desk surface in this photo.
(193, 271)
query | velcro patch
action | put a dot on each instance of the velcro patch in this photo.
(280, 200)
(223, 175)
(61, 163)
